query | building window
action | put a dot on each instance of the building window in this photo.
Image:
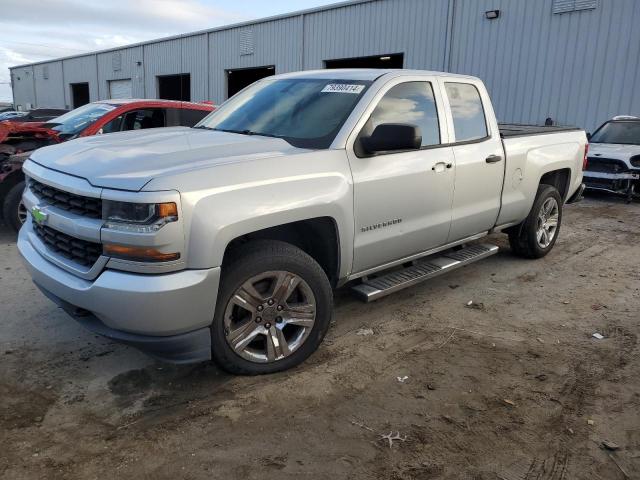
(565, 6)
(45, 72)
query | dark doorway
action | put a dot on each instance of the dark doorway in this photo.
(79, 94)
(394, 60)
(238, 79)
(175, 87)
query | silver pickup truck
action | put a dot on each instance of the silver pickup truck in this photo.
(225, 240)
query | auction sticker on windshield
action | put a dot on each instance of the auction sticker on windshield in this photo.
(342, 88)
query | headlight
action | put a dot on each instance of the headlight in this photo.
(635, 161)
(138, 217)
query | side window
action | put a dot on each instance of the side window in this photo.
(113, 126)
(412, 103)
(173, 117)
(145, 118)
(188, 117)
(469, 121)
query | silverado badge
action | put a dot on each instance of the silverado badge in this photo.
(38, 215)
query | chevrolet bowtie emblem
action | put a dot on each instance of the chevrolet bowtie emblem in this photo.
(38, 215)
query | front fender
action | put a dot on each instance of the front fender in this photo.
(237, 199)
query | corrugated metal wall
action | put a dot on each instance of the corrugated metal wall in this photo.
(273, 43)
(194, 61)
(416, 28)
(24, 93)
(126, 63)
(80, 70)
(579, 67)
(49, 84)
(162, 58)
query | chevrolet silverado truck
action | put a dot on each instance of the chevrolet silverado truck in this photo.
(225, 240)
(19, 138)
(613, 164)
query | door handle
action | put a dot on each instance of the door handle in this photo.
(447, 165)
(493, 158)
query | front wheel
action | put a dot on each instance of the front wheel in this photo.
(13, 210)
(273, 310)
(537, 234)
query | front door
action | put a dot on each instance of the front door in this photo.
(402, 200)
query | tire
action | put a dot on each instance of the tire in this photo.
(13, 210)
(257, 272)
(525, 238)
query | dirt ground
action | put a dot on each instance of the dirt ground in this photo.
(518, 389)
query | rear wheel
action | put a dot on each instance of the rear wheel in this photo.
(537, 234)
(273, 310)
(13, 210)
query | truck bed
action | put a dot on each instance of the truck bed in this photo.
(508, 130)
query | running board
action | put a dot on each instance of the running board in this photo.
(383, 285)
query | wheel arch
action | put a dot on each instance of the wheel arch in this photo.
(560, 179)
(8, 181)
(319, 237)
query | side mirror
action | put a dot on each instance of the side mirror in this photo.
(588, 135)
(392, 136)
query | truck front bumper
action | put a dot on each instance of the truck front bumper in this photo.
(625, 183)
(166, 315)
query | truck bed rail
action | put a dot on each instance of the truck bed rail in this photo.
(508, 130)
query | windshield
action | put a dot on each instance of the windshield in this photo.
(622, 132)
(75, 121)
(305, 112)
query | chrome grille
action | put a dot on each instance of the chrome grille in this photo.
(80, 251)
(85, 206)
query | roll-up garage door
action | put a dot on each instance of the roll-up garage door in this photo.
(120, 88)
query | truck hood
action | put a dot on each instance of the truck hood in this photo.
(14, 129)
(613, 150)
(129, 160)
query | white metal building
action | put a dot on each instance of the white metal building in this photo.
(574, 61)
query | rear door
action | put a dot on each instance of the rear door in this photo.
(479, 158)
(402, 200)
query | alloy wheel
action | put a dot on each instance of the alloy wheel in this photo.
(269, 316)
(547, 222)
(22, 213)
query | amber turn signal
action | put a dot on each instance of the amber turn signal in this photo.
(167, 210)
(139, 254)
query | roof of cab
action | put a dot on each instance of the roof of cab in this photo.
(156, 101)
(368, 74)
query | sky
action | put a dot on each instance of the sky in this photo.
(34, 30)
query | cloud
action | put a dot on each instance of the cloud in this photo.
(35, 30)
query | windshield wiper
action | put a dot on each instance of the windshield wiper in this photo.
(246, 132)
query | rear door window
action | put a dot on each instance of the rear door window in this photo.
(469, 120)
(184, 117)
(144, 118)
(189, 117)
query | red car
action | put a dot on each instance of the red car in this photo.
(18, 139)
